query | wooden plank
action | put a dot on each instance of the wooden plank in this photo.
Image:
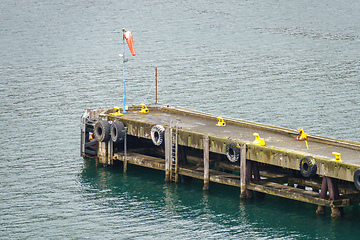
(302, 195)
(142, 160)
(354, 197)
(91, 143)
(263, 172)
(191, 172)
(89, 152)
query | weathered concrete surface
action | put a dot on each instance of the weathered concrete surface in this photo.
(281, 148)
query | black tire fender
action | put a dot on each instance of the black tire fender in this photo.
(308, 166)
(232, 151)
(102, 131)
(117, 131)
(357, 179)
(157, 134)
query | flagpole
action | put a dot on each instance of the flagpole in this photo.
(124, 100)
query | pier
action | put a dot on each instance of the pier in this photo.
(254, 158)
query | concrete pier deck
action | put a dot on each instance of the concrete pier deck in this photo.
(281, 149)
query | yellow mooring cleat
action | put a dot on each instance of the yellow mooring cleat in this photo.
(258, 141)
(337, 157)
(117, 112)
(144, 109)
(302, 135)
(221, 122)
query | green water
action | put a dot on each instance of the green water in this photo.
(185, 211)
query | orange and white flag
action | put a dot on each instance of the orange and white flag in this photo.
(129, 39)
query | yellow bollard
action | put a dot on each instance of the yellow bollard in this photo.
(221, 122)
(302, 135)
(258, 141)
(144, 109)
(117, 112)
(337, 157)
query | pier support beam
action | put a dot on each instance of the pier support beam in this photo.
(110, 153)
(331, 185)
(321, 209)
(103, 153)
(248, 169)
(206, 162)
(248, 177)
(243, 170)
(167, 138)
(125, 150)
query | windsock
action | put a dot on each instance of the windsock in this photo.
(129, 39)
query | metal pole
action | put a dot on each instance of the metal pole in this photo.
(155, 85)
(124, 100)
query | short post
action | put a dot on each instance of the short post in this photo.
(167, 139)
(206, 163)
(243, 170)
(125, 151)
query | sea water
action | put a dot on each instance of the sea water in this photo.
(286, 63)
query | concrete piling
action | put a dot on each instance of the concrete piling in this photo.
(206, 162)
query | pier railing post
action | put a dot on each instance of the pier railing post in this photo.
(206, 163)
(243, 170)
(167, 153)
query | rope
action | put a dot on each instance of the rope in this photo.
(87, 156)
(148, 92)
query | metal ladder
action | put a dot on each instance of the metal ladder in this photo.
(174, 176)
